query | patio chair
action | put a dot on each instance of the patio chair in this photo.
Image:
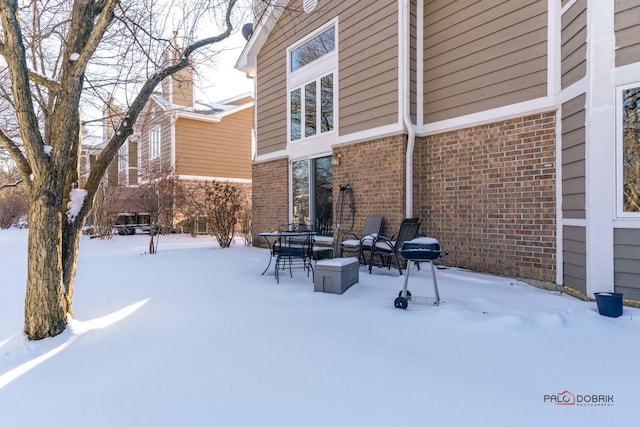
(387, 248)
(294, 227)
(294, 248)
(359, 244)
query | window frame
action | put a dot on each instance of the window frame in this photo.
(155, 146)
(619, 196)
(313, 72)
(123, 157)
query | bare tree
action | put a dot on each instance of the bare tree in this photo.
(245, 223)
(104, 213)
(58, 56)
(189, 206)
(158, 198)
(14, 204)
(221, 204)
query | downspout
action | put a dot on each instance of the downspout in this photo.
(405, 52)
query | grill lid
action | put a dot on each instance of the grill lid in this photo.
(421, 248)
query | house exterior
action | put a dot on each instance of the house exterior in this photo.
(509, 127)
(177, 135)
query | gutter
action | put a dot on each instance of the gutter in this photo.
(405, 52)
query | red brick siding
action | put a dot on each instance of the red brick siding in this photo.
(376, 172)
(488, 194)
(270, 197)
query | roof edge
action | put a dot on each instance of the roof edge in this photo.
(247, 61)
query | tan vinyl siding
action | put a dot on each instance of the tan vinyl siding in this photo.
(112, 172)
(271, 94)
(574, 43)
(368, 71)
(573, 158)
(241, 101)
(482, 55)
(627, 29)
(215, 149)
(574, 256)
(133, 163)
(367, 80)
(626, 255)
(163, 120)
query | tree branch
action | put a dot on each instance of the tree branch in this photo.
(15, 184)
(12, 147)
(104, 12)
(44, 81)
(215, 39)
(15, 56)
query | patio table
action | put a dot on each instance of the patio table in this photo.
(275, 239)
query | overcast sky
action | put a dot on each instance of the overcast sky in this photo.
(225, 81)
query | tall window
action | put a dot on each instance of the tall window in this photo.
(155, 140)
(123, 157)
(311, 86)
(317, 111)
(629, 149)
(312, 194)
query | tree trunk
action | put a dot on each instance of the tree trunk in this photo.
(70, 247)
(46, 306)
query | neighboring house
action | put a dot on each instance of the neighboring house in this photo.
(177, 135)
(92, 146)
(507, 127)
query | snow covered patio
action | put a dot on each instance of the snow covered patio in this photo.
(195, 336)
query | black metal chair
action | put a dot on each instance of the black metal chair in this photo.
(294, 248)
(353, 243)
(387, 248)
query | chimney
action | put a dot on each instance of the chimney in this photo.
(180, 85)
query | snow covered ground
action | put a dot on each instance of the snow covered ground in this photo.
(195, 336)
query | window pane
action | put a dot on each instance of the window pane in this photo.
(313, 49)
(323, 174)
(631, 149)
(123, 157)
(300, 183)
(310, 109)
(326, 103)
(154, 142)
(295, 114)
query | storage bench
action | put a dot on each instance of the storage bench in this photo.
(335, 275)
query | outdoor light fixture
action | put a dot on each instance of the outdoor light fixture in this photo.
(335, 160)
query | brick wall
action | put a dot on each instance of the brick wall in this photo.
(375, 170)
(487, 193)
(270, 197)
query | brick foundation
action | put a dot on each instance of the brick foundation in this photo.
(375, 170)
(488, 195)
(270, 197)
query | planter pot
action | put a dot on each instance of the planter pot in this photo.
(609, 303)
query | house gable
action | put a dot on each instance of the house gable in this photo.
(366, 83)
